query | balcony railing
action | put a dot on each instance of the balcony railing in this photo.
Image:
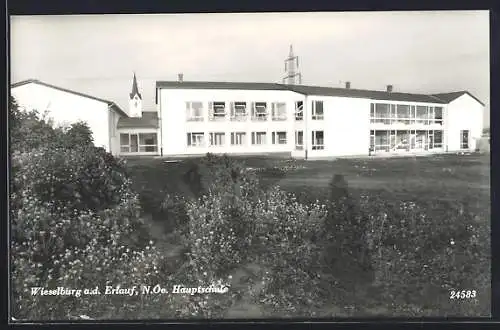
(195, 118)
(405, 121)
(239, 117)
(260, 117)
(217, 117)
(279, 118)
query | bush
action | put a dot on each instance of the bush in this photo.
(215, 173)
(32, 130)
(71, 179)
(430, 255)
(346, 254)
(75, 223)
(287, 246)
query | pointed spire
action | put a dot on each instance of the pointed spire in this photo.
(291, 51)
(135, 89)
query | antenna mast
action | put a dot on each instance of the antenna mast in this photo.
(293, 76)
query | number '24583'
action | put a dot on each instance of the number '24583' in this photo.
(464, 294)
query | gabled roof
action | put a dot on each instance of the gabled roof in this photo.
(149, 119)
(311, 90)
(36, 81)
(364, 94)
(449, 97)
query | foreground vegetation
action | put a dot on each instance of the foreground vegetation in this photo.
(81, 218)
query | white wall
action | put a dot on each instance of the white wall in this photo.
(464, 113)
(114, 135)
(174, 126)
(66, 108)
(346, 126)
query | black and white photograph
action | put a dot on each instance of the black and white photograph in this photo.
(249, 166)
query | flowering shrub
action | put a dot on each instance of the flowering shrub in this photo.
(287, 234)
(81, 179)
(75, 223)
(430, 255)
(216, 237)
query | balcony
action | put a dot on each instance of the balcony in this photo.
(217, 117)
(239, 117)
(260, 117)
(406, 121)
(279, 118)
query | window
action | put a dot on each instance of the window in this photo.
(125, 142)
(422, 115)
(278, 111)
(438, 139)
(238, 111)
(217, 139)
(138, 142)
(195, 139)
(217, 110)
(148, 142)
(392, 141)
(299, 140)
(382, 110)
(382, 140)
(318, 140)
(238, 138)
(258, 138)
(259, 111)
(299, 110)
(402, 115)
(438, 115)
(279, 137)
(317, 110)
(402, 140)
(194, 111)
(464, 139)
(381, 113)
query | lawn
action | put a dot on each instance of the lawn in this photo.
(463, 179)
(439, 177)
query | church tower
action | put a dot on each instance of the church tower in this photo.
(293, 76)
(135, 102)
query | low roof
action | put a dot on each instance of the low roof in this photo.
(448, 97)
(314, 90)
(36, 81)
(149, 119)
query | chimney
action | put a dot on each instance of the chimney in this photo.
(389, 88)
(180, 77)
(347, 84)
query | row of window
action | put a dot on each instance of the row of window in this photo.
(405, 114)
(257, 111)
(138, 142)
(386, 140)
(218, 139)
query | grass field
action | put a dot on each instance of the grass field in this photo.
(427, 180)
(439, 177)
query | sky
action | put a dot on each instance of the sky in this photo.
(416, 52)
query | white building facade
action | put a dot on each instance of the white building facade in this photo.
(65, 107)
(312, 122)
(194, 118)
